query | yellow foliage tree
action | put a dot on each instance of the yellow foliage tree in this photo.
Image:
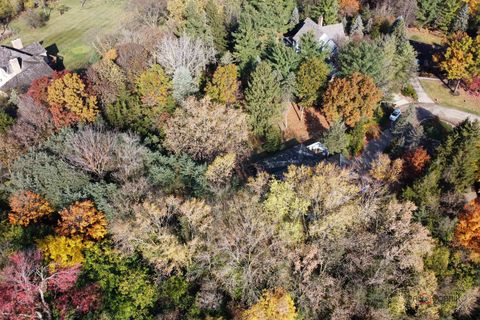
(28, 207)
(62, 252)
(84, 220)
(154, 87)
(224, 85)
(385, 169)
(220, 171)
(458, 61)
(273, 305)
(69, 92)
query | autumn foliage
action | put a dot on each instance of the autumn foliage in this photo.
(351, 99)
(82, 219)
(349, 7)
(276, 304)
(415, 162)
(224, 85)
(68, 94)
(467, 233)
(63, 252)
(27, 207)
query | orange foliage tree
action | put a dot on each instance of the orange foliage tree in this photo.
(351, 99)
(349, 7)
(68, 95)
(27, 207)
(82, 219)
(415, 162)
(467, 232)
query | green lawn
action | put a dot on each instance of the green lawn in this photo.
(442, 95)
(424, 36)
(75, 30)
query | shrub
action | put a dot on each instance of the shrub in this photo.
(36, 18)
(409, 91)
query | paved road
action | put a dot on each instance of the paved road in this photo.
(426, 109)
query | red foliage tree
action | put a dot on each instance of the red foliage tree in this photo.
(467, 233)
(39, 88)
(415, 162)
(26, 283)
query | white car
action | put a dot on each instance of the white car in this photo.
(395, 115)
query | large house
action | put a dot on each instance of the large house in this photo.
(330, 35)
(20, 65)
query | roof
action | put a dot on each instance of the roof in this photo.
(298, 155)
(333, 31)
(33, 62)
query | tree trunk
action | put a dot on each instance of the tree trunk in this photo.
(456, 86)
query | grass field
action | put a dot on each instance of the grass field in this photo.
(75, 30)
(424, 36)
(442, 95)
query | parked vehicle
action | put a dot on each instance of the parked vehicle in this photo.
(395, 115)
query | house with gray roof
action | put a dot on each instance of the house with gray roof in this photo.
(329, 35)
(20, 66)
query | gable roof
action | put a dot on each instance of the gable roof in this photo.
(334, 32)
(33, 62)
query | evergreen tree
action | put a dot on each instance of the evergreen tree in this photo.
(216, 23)
(399, 30)
(446, 14)
(460, 23)
(183, 84)
(261, 22)
(295, 19)
(285, 61)
(364, 57)
(196, 22)
(427, 11)
(357, 27)
(336, 138)
(310, 47)
(328, 9)
(263, 98)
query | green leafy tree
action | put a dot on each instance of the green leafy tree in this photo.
(427, 11)
(328, 9)
(365, 57)
(263, 97)
(216, 23)
(260, 23)
(195, 21)
(284, 60)
(312, 79)
(357, 27)
(336, 138)
(127, 289)
(446, 14)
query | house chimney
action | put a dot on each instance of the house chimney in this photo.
(17, 43)
(15, 67)
(320, 21)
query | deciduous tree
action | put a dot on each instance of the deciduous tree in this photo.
(415, 162)
(27, 207)
(312, 79)
(224, 86)
(384, 169)
(82, 219)
(68, 92)
(276, 304)
(203, 130)
(62, 252)
(351, 99)
(467, 232)
(155, 88)
(349, 7)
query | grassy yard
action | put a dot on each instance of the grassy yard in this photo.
(424, 36)
(75, 30)
(442, 95)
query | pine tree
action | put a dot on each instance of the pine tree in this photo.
(461, 20)
(263, 98)
(295, 19)
(399, 30)
(260, 23)
(427, 11)
(310, 47)
(196, 22)
(357, 27)
(446, 14)
(216, 23)
(328, 9)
